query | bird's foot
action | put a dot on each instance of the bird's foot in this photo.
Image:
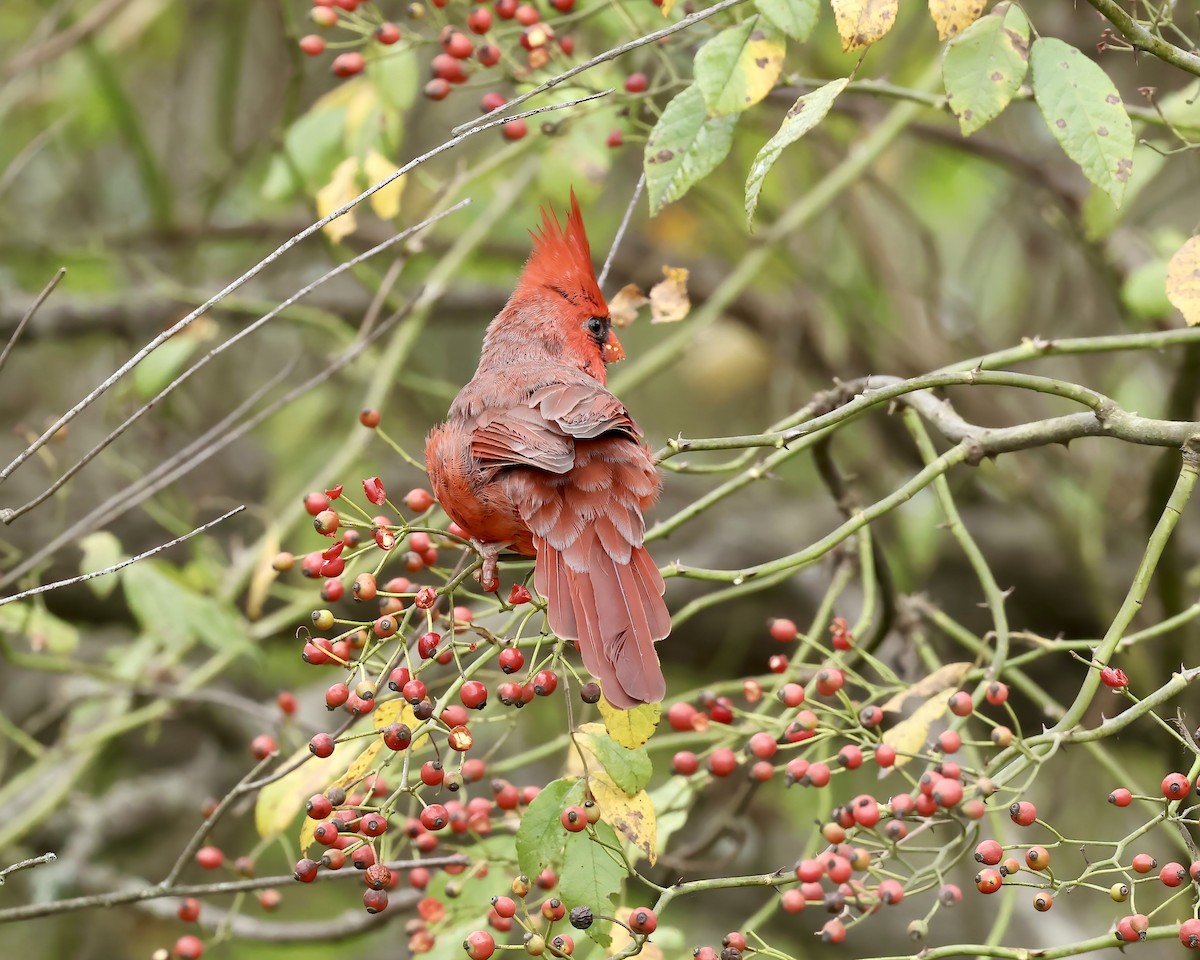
(487, 575)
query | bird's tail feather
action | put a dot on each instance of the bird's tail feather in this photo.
(616, 612)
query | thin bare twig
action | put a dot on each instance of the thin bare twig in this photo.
(46, 587)
(259, 267)
(33, 308)
(612, 251)
(26, 864)
(148, 484)
(201, 834)
(157, 892)
(11, 515)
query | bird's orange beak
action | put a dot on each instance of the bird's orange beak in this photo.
(613, 351)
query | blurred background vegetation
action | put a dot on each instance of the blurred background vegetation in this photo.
(158, 149)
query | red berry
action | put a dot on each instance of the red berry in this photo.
(784, 631)
(479, 945)
(348, 64)
(1175, 785)
(189, 910)
(1173, 874)
(763, 745)
(312, 44)
(210, 858)
(514, 129)
(435, 817)
(643, 921)
(1189, 934)
(817, 775)
(479, 20)
(1120, 797)
(387, 33)
(1114, 677)
(1023, 813)
(459, 45)
(188, 947)
(506, 9)
(321, 745)
(792, 694)
(315, 503)
(575, 819)
(829, 682)
(263, 746)
(850, 757)
(885, 755)
(997, 693)
(511, 660)
(722, 762)
(681, 716)
(988, 881)
(545, 682)
(527, 15)
(989, 852)
(473, 695)
(488, 54)
(375, 901)
(326, 522)
(615, 139)
(685, 763)
(960, 704)
(949, 741)
(1143, 863)
(637, 83)
(448, 68)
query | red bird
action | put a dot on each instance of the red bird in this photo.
(537, 456)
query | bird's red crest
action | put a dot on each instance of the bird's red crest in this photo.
(562, 262)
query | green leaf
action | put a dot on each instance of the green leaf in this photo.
(43, 629)
(739, 66)
(628, 769)
(1100, 214)
(985, 65)
(312, 147)
(796, 18)
(672, 801)
(395, 77)
(591, 876)
(170, 611)
(1084, 112)
(1144, 292)
(100, 550)
(541, 836)
(163, 365)
(804, 114)
(685, 146)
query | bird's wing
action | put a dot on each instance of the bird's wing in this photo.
(541, 431)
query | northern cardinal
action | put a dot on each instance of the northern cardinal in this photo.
(537, 456)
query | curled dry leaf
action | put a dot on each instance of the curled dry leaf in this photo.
(669, 301)
(623, 308)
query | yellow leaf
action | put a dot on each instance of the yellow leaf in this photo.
(278, 803)
(621, 939)
(666, 7)
(623, 308)
(632, 817)
(337, 193)
(1183, 281)
(669, 301)
(861, 22)
(385, 202)
(943, 678)
(361, 101)
(630, 728)
(910, 734)
(953, 16)
(264, 574)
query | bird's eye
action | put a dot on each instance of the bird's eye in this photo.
(597, 327)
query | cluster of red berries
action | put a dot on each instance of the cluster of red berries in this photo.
(511, 35)
(537, 922)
